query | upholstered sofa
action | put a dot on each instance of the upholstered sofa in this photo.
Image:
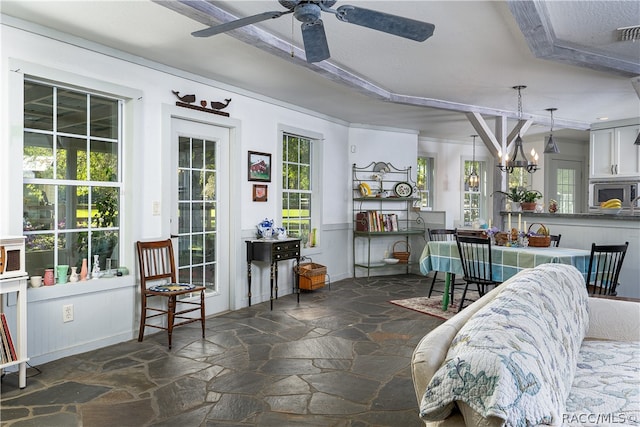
(536, 350)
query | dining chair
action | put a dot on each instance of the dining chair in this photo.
(442, 235)
(158, 279)
(473, 233)
(475, 256)
(555, 240)
(605, 264)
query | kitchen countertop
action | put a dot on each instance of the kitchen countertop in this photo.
(622, 216)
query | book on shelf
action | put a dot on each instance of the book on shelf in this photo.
(7, 343)
(376, 221)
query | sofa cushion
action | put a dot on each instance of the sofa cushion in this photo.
(516, 358)
(606, 385)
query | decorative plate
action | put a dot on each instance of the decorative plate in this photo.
(403, 189)
(172, 287)
(381, 166)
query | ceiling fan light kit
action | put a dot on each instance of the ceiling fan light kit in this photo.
(314, 37)
(512, 162)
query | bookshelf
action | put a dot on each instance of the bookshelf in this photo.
(19, 334)
(383, 200)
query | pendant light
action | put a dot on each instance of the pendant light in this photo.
(551, 146)
(637, 139)
(474, 179)
(512, 162)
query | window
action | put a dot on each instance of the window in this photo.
(424, 181)
(473, 203)
(297, 185)
(519, 178)
(72, 183)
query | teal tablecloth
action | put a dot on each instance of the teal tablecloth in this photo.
(507, 261)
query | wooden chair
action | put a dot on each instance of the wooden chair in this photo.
(158, 279)
(555, 240)
(604, 268)
(475, 256)
(472, 233)
(442, 235)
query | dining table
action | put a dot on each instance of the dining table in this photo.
(506, 260)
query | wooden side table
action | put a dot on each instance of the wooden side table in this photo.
(272, 251)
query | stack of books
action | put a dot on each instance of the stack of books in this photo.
(7, 350)
(376, 221)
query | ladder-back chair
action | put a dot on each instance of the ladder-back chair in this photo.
(158, 279)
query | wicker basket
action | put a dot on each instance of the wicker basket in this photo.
(402, 256)
(311, 276)
(539, 241)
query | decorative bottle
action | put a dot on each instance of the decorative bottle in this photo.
(95, 272)
(74, 274)
(84, 271)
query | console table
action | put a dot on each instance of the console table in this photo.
(272, 251)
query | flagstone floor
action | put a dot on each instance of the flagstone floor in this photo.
(339, 358)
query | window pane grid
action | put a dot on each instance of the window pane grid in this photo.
(68, 213)
(297, 186)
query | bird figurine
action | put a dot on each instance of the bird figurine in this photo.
(188, 99)
(220, 105)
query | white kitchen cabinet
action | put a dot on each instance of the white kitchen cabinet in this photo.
(613, 153)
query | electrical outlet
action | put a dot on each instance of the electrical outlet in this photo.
(155, 208)
(67, 313)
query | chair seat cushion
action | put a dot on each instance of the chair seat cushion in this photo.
(172, 287)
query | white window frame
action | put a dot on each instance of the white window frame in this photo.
(316, 181)
(131, 114)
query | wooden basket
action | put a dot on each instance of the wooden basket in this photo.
(539, 241)
(311, 276)
(402, 256)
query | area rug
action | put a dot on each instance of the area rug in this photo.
(431, 306)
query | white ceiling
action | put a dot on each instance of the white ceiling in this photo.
(569, 58)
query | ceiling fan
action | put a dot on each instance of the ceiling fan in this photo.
(313, 34)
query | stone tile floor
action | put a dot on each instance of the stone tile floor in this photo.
(339, 358)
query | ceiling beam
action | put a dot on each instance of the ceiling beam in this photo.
(533, 19)
(208, 14)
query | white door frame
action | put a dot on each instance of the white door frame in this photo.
(170, 112)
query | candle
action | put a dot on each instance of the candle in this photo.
(489, 222)
(525, 227)
(519, 221)
(509, 222)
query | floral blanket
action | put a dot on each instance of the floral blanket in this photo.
(516, 358)
(606, 385)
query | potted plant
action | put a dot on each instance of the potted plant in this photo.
(526, 199)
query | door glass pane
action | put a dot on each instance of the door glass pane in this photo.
(197, 211)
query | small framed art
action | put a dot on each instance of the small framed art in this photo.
(259, 193)
(259, 166)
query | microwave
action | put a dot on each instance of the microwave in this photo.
(626, 191)
(12, 261)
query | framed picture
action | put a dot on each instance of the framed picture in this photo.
(259, 193)
(259, 166)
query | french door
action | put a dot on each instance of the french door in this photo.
(566, 185)
(200, 219)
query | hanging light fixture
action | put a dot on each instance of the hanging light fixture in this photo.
(551, 146)
(637, 139)
(474, 179)
(512, 162)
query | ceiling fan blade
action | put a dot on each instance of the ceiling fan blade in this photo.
(315, 41)
(392, 24)
(232, 25)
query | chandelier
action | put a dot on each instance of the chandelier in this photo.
(474, 179)
(551, 146)
(512, 162)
